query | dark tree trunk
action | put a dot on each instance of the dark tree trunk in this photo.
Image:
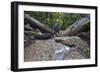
(36, 24)
(27, 27)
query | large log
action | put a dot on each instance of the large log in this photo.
(64, 38)
(79, 26)
(38, 35)
(36, 24)
(27, 27)
(43, 36)
(85, 35)
(31, 33)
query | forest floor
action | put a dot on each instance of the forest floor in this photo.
(44, 50)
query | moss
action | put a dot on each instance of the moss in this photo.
(35, 33)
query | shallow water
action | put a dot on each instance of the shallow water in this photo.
(60, 52)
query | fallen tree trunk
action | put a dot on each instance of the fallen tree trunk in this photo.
(43, 36)
(79, 26)
(36, 24)
(26, 27)
(64, 38)
(84, 35)
(31, 33)
(38, 35)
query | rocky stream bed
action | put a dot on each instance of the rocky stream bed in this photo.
(46, 50)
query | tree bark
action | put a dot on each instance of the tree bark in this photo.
(38, 35)
(27, 27)
(79, 26)
(31, 33)
(36, 24)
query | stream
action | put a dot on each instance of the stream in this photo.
(61, 51)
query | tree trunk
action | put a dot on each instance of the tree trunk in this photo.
(79, 26)
(31, 33)
(38, 35)
(36, 24)
(27, 27)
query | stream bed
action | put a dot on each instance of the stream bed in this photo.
(47, 50)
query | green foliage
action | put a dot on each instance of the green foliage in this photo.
(87, 24)
(49, 18)
(69, 18)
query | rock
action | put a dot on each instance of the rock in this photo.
(44, 50)
(79, 44)
(76, 42)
